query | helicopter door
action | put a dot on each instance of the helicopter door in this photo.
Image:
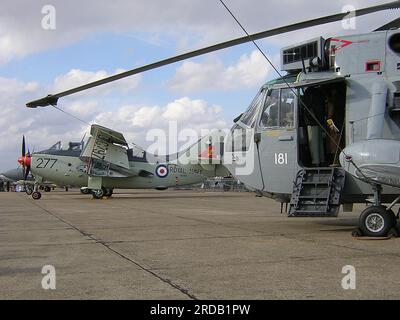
(241, 157)
(277, 141)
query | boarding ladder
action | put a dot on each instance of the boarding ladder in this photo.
(316, 192)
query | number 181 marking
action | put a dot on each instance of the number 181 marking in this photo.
(281, 158)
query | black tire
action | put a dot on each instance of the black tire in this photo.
(376, 221)
(85, 190)
(109, 192)
(47, 189)
(393, 233)
(99, 193)
(36, 195)
(356, 233)
(28, 191)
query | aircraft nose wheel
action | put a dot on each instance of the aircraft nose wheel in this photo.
(36, 195)
(29, 191)
(377, 221)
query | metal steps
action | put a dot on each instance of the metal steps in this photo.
(316, 192)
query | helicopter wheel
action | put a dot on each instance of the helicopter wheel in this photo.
(376, 221)
(36, 195)
(47, 189)
(99, 193)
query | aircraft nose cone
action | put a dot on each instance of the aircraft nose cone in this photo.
(24, 161)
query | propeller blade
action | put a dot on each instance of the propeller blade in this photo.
(27, 171)
(23, 146)
(52, 99)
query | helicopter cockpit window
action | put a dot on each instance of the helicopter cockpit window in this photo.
(270, 114)
(286, 114)
(249, 117)
(278, 111)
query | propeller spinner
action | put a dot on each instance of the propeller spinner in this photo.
(25, 159)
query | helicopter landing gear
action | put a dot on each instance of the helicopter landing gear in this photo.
(378, 220)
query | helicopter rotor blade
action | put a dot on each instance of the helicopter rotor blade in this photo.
(52, 99)
(391, 25)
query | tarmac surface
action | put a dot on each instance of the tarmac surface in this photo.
(184, 245)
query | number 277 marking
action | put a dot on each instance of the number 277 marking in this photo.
(43, 163)
(281, 158)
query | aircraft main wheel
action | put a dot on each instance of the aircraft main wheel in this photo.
(36, 195)
(99, 193)
(376, 221)
(109, 192)
(47, 189)
(85, 190)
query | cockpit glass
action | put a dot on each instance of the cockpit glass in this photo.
(56, 146)
(269, 117)
(137, 151)
(75, 146)
(250, 116)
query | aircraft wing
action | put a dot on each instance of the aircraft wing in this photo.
(106, 154)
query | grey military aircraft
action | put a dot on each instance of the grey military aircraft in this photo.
(106, 162)
(325, 134)
(22, 174)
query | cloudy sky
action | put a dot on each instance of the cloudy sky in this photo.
(97, 38)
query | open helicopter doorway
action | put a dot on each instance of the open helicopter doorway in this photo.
(325, 116)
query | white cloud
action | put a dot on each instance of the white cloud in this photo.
(45, 126)
(186, 112)
(250, 71)
(75, 78)
(191, 23)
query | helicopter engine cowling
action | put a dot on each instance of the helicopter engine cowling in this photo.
(377, 161)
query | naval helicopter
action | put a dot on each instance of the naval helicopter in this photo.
(326, 134)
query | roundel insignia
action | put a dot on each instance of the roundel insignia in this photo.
(162, 171)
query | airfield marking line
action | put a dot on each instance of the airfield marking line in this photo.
(189, 238)
(90, 236)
